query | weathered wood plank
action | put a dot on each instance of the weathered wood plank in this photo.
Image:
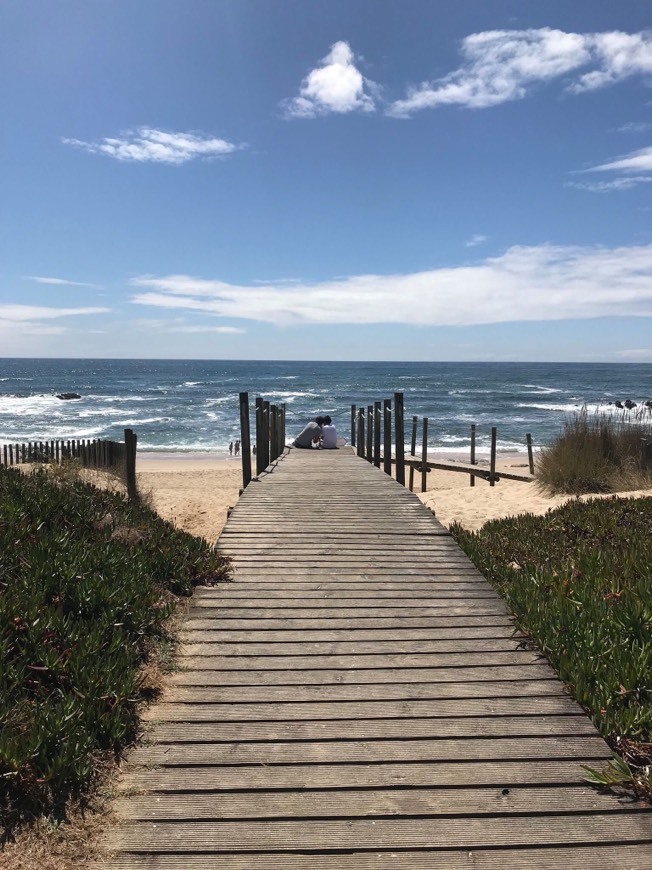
(432, 833)
(353, 649)
(324, 729)
(360, 804)
(523, 704)
(385, 661)
(606, 856)
(502, 629)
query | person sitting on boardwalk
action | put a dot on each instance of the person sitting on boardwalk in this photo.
(329, 434)
(310, 435)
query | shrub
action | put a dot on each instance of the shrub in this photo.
(579, 581)
(597, 453)
(86, 581)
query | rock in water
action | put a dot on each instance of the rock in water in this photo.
(68, 396)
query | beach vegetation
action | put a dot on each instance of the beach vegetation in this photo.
(579, 582)
(598, 452)
(87, 583)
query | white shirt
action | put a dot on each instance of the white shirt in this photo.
(329, 440)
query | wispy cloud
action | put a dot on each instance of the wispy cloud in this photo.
(635, 127)
(629, 170)
(638, 354)
(476, 240)
(63, 282)
(336, 85)
(18, 320)
(18, 313)
(226, 330)
(525, 283)
(147, 145)
(502, 65)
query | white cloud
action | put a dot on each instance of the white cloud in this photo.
(475, 240)
(637, 161)
(635, 127)
(639, 354)
(146, 145)
(227, 330)
(608, 186)
(18, 313)
(523, 284)
(57, 281)
(500, 65)
(337, 85)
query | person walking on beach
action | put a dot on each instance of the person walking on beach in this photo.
(237, 448)
(310, 434)
(329, 434)
(231, 448)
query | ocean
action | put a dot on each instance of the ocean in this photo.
(180, 406)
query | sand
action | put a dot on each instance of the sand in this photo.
(195, 491)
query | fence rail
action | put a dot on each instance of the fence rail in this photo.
(366, 425)
(90, 453)
(269, 438)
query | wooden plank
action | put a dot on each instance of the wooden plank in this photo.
(353, 649)
(606, 856)
(437, 833)
(360, 804)
(335, 623)
(356, 751)
(372, 729)
(330, 702)
(505, 773)
(371, 635)
(370, 661)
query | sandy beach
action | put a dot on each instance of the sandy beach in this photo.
(194, 491)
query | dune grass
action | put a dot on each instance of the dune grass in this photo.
(579, 582)
(86, 583)
(599, 452)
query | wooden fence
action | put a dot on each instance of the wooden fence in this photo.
(90, 453)
(269, 438)
(370, 423)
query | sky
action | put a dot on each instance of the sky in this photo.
(342, 180)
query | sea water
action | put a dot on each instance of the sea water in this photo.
(192, 405)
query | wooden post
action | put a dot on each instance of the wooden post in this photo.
(260, 450)
(387, 436)
(646, 450)
(530, 457)
(273, 433)
(377, 407)
(413, 449)
(266, 424)
(370, 433)
(283, 435)
(424, 457)
(11, 454)
(399, 437)
(245, 440)
(472, 476)
(492, 468)
(130, 464)
(360, 433)
(4, 453)
(353, 425)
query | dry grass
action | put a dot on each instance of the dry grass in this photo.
(599, 453)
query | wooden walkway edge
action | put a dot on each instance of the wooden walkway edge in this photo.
(357, 698)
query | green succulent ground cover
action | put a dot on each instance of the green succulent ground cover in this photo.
(86, 581)
(579, 582)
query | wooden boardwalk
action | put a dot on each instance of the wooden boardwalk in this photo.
(356, 698)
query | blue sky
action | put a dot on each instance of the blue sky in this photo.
(357, 179)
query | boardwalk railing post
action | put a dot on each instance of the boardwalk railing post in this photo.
(353, 425)
(283, 436)
(370, 433)
(260, 435)
(245, 439)
(492, 467)
(472, 461)
(530, 457)
(273, 433)
(413, 449)
(130, 464)
(360, 434)
(424, 457)
(265, 433)
(377, 408)
(387, 436)
(399, 430)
